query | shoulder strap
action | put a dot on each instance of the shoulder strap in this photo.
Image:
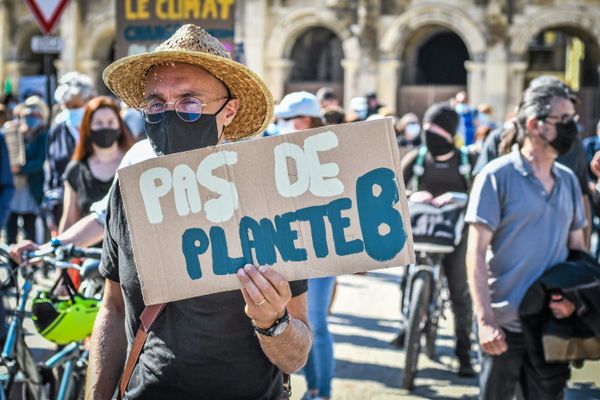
(465, 166)
(147, 319)
(419, 167)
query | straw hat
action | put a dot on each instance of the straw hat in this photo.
(191, 44)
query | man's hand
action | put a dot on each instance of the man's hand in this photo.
(561, 307)
(595, 164)
(266, 293)
(443, 199)
(491, 337)
(15, 250)
(422, 196)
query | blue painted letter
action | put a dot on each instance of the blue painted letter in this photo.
(376, 211)
(261, 241)
(338, 224)
(222, 263)
(315, 216)
(193, 243)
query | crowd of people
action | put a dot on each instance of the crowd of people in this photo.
(57, 162)
(61, 174)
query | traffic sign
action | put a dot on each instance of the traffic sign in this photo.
(47, 13)
(46, 44)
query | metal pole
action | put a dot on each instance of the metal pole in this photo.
(48, 73)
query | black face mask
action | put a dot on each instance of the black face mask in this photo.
(566, 134)
(104, 138)
(174, 135)
(436, 144)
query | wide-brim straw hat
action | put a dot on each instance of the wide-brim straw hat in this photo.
(191, 44)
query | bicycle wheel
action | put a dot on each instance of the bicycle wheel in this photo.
(419, 301)
(72, 382)
(38, 383)
(44, 391)
(78, 391)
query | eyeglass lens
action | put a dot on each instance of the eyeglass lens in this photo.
(189, 109)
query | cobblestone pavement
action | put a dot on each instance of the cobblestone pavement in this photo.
(366, 318)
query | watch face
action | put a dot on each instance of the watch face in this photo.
(280, 328)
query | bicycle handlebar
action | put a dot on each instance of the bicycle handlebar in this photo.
(94, 253)
(62, 252)
(30, 254)
(61, 264)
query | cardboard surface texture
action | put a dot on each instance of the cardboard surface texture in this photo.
(320, 202)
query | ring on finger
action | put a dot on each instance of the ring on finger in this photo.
(260, 303)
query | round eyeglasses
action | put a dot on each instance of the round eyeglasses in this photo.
(188, 108)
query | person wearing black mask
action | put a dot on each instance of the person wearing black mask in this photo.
(103, 141)
(525, 213)
(226, 345)
(430, 172)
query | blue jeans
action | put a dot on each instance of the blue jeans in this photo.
(320, 364)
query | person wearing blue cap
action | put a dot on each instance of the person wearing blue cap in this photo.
(298, 111)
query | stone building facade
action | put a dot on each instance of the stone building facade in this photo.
(411, 52)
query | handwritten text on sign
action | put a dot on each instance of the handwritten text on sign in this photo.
(322, 213)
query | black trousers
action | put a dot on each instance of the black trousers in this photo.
(455, 269)
(501, 374)
(12, 227)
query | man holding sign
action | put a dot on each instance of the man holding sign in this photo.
(225, 345)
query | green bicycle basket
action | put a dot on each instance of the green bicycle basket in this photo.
(64, 320)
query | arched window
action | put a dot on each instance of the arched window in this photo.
(572, 55)
(433, 68)
(317, 56)
(441, 60)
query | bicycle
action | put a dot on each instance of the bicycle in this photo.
(436, 232)
(40, 378)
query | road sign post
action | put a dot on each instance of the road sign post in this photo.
(48, 73)
(46, 44)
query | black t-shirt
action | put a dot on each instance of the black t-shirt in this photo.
(439, 177)
(199, 348)
(89, 189)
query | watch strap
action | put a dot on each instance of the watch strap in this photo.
(271, 330)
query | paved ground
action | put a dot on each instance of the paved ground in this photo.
(365, 319)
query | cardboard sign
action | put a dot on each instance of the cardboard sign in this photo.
(144, 24)
(319, 202)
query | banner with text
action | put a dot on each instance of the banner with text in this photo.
(144, 24)
(320, 202)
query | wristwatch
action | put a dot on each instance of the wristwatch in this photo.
(277, 328)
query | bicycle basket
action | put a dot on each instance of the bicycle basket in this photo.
(436, 226)
(64, 320)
